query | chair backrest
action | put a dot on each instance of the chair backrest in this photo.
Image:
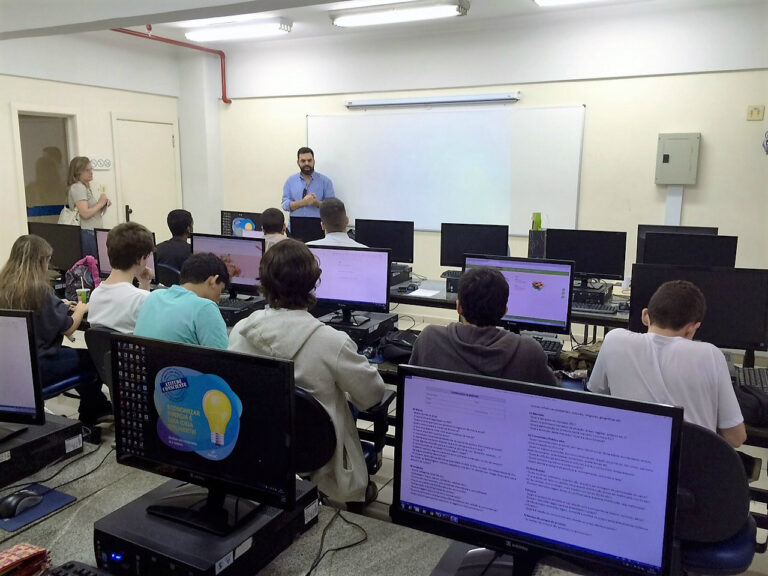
(713, 493)
(166, 275)
(315, 436)
(98, 339)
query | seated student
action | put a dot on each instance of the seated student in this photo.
(273, 226)
(188, 313)
(334, 221)
(115, 303)
(667, 366)
(474, 344)
(173, 252)
(24, 286)
(326, 362)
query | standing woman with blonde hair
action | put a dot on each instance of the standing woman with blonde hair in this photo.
(24, 286)
(80, 198)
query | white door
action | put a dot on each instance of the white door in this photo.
(147, 171)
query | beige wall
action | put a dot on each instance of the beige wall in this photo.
(624, 116)
(92, 108)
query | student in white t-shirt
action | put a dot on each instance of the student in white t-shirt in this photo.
(115, 303)
(667, 366)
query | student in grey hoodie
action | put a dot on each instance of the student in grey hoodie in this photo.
(474, 344)
(326, 362)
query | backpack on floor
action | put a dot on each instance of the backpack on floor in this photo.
(83, 274)
(753, 404)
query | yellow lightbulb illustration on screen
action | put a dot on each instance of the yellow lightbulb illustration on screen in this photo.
(218, 411)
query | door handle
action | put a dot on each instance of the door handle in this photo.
(128, 213)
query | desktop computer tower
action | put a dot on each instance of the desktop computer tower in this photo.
(39, 446)
(368, 333)
(399, 273)
(598, 295)
(131, 541)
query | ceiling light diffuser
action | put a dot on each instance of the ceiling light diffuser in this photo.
(401, 12)
(261, 29)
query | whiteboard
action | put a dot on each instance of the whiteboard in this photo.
(483, 165)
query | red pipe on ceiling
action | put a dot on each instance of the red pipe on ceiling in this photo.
(218, 53)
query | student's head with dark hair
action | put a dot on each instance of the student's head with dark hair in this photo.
(483, 294)
(127, 243)
(333, 215)
(676, 305)
(202, 268)
(180, 222)
(272, 221)
(304, 150)
(289, 273)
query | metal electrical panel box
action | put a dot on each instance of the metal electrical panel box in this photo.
(677, 158)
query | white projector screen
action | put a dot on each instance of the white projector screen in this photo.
(483, 165)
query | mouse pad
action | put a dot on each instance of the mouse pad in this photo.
(51, 502)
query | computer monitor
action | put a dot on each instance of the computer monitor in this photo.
(689, 250)
(524, 469)
(457, 240)
(305, 228)
(65, 241)
(540, 292)
(396, 235)
(21, 401)
(241, 255)
(236, 223)
(643, 229)
(596, 253)
(102, 255)
(220, 420)
(353, 279)
(737, 302)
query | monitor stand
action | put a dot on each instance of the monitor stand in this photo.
(209, 510)
(346, 318)
(465, 560)
(9, 430)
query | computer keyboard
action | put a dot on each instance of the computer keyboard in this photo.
(235, 303)
(594, 308)
(754, 377)
(551, 346)
(73, 568)
(451, 274)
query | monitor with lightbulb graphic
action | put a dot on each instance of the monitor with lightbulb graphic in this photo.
(220, 420)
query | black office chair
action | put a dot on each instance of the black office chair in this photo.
(99, 341)
(373, 441)
(315, 436)
(166, 274)
(715, 530)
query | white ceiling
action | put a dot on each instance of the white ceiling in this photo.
(28, 18)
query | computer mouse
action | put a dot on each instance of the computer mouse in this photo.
(15, 503)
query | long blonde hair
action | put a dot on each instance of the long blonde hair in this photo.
(76, 167)
(24, 278)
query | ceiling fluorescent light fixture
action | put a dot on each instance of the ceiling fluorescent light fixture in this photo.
(556, 3)
(259, 29)
(503, 98)
(401, 12)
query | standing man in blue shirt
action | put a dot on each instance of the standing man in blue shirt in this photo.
(304, 192)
